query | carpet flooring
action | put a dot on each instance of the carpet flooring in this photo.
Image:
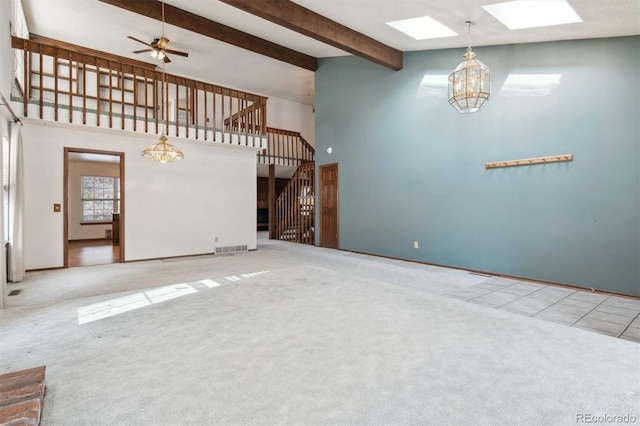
(292, 334)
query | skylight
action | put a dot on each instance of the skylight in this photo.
(520, 14)
(422, 28)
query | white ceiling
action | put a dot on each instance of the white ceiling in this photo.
(104, 27)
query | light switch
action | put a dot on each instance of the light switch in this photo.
(56, 208)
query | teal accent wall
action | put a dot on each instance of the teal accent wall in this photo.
(411, 168)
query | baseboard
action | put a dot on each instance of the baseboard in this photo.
(499, 275)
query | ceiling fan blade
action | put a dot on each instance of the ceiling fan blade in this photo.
(143, 51)
(177, 52)
(166, 59)
(139, 41)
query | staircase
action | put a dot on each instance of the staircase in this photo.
(296, 205)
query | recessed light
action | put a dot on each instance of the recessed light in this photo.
(422, 28)
(520, 14)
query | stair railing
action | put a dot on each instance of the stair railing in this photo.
(79, 85)
(296, 205)
(286, 148)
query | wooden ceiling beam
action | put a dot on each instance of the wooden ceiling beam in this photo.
(198, 24)
(300, 19)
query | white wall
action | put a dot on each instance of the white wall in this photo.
(287, 115)
(77, 169)
(6, 68)
(169, 209)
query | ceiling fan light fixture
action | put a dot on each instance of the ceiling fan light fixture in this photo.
(158, 54)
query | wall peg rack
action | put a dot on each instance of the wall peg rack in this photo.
(530, 161)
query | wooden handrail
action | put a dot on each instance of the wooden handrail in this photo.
(75, 84)
(286, 148)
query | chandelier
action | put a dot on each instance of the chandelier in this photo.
(163, 151)
(470, 82)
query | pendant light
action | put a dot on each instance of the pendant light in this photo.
(163, 152)
(470, 82)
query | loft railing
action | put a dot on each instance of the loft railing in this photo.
(295, 207)
(78, 87)
(286, 148)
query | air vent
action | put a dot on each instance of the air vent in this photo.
(14, 292)
(231, 249)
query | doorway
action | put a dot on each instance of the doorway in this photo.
(329, 206)
(93, 207)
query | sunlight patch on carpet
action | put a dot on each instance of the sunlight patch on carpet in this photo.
(117, 306)
(112, 307)
(209, 283)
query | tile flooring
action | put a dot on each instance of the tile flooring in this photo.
(611, 315)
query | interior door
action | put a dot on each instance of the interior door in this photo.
(329, 206)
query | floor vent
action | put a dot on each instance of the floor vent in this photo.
(14, 292)
(230, 249)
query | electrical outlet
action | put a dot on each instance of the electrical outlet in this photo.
(216, 239)
(415, 244)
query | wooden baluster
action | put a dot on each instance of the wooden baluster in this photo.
(55, 88)
(281, 148)
(262, 123)
(146, 102)
(239, 103)
(122, 96)
(26, 90)
(41, 77)
(135, 100)
(231, 117)
(98, 76)
(252, 121)
(187, 105)
(110, 96)
(84, 93)
(158, 103)
(70, 89)
(284, 147)
(204, 100)
(222, 116)
(195, 108)
(176, 109)
(213, 124)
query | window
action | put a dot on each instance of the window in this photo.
(100, 198)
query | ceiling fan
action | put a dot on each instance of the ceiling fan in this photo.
(158, 48)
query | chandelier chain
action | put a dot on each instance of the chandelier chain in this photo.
(469, 24)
